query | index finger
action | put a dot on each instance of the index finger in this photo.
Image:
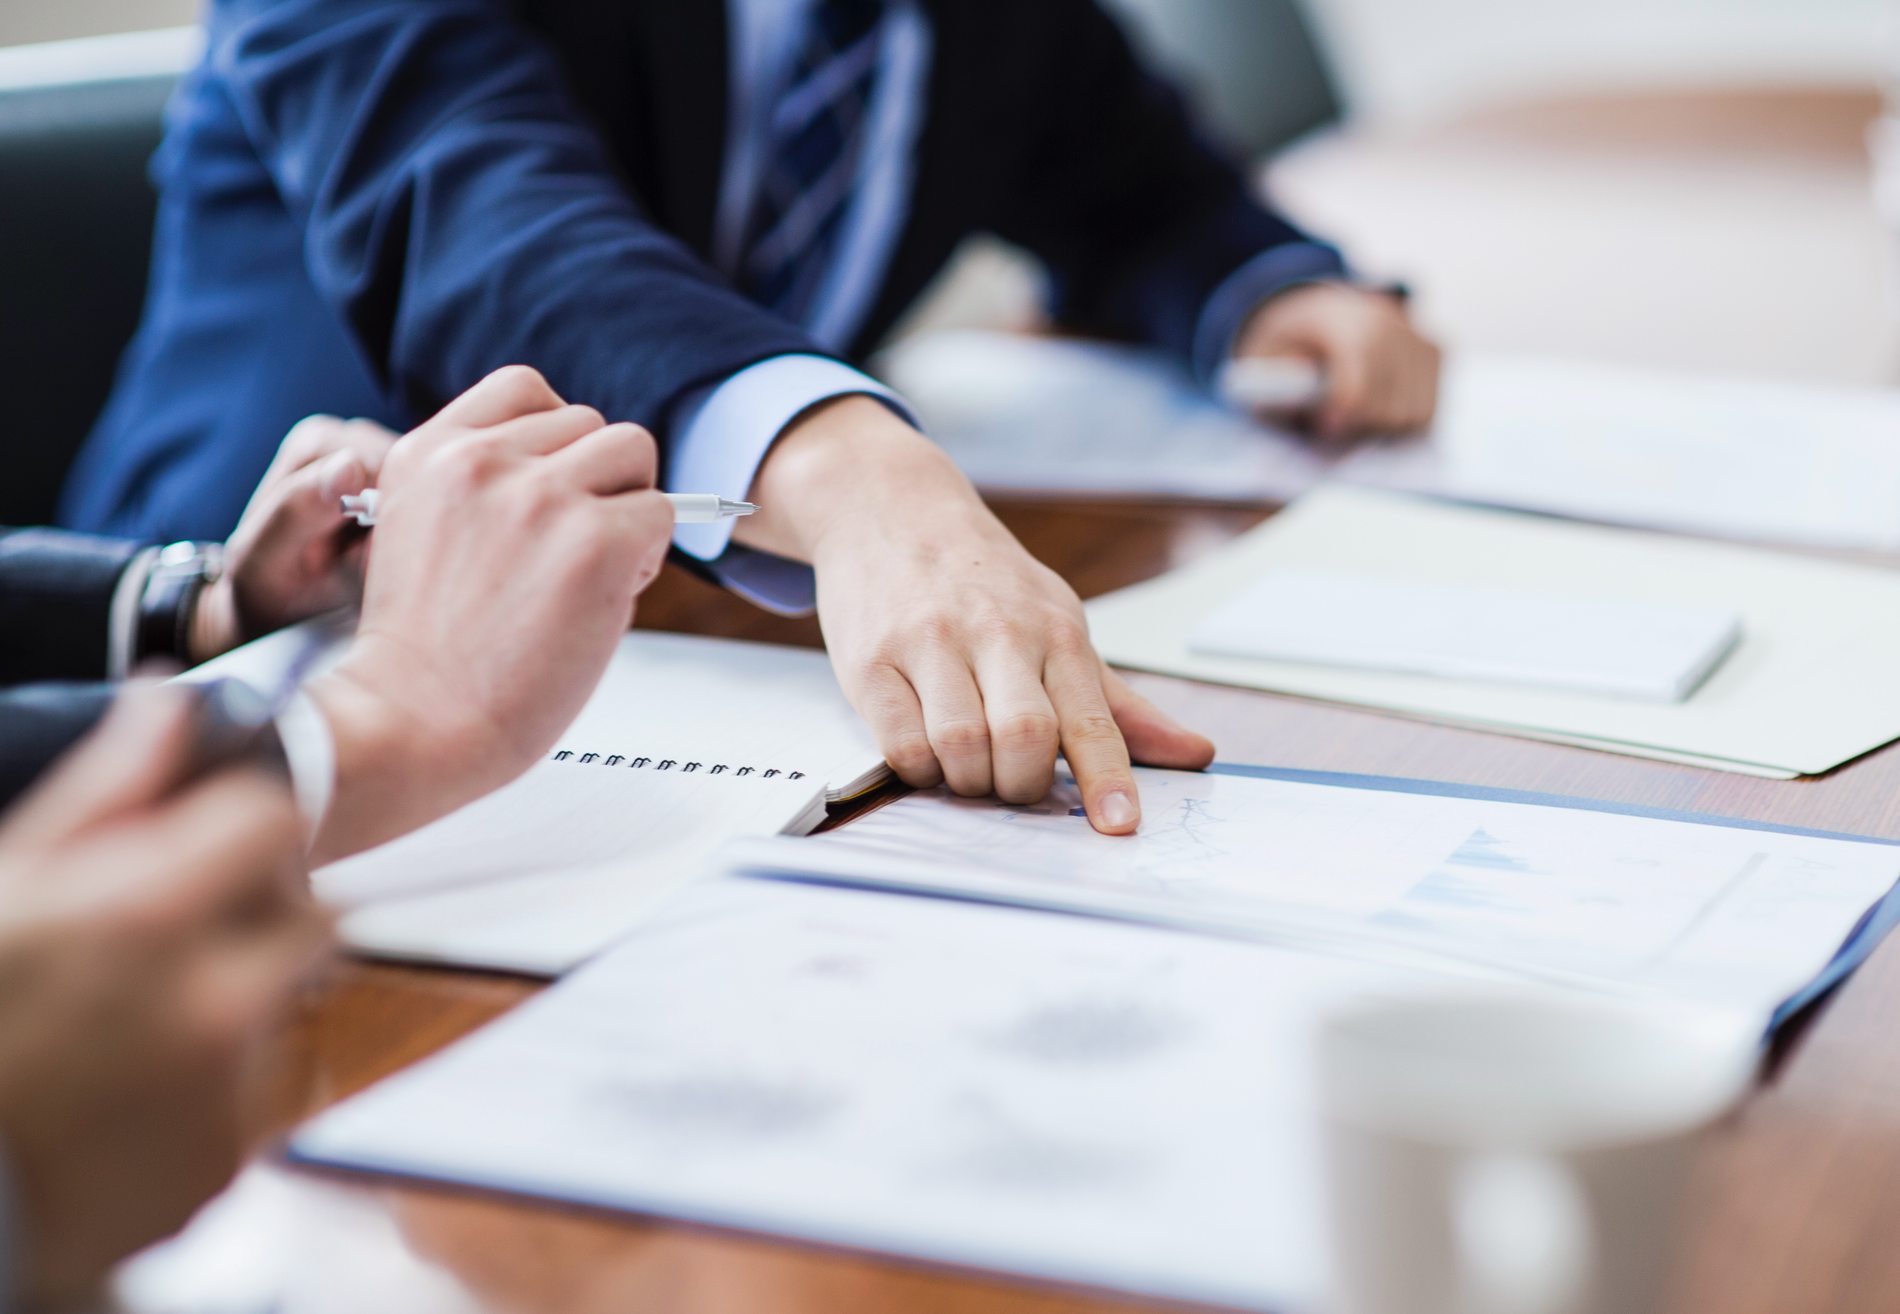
(1092, 742)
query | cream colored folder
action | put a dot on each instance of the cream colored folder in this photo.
(1814, 682)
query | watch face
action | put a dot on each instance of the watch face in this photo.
(197, 560)
(175, 555)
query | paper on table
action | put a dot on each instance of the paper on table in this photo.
(1748, 459)
(1729, 917)
(685, 744)
(1810, 685)
(1737, 458)
(1045, 416)
(1580, 642)
(549, 870)
(1053, 1096)
(751, 708)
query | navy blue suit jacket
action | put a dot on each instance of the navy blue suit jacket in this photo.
(55, 608)
(366, 205)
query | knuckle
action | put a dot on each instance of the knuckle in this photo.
(961, 738)
(883, 660)
(1093, 729)
(911, 756)
(309, 438)
(940, 629)
(466, 466)
(1022, 792)
(1027, 732)
(639, 448)
(582, 417)
(518, 386)
(1068, 638)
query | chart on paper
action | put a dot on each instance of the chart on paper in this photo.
(1728, 915)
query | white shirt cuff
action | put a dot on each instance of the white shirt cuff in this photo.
(1242, 292)
(716, 443)
(310, 751)
(122, 620)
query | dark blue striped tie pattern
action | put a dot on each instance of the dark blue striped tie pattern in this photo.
(812, 156)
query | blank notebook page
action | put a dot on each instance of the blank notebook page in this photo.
(1624, 647)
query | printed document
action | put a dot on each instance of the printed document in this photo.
(1747, 459)
(1728, 916)
(1060, 1097)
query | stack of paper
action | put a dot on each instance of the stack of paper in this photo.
(1067, 1097)
(686, 744)
(1618, 646)
(1058, 1097)
(1810, 685)
(1734, 458)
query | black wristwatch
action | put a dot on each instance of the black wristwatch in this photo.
(170, 599)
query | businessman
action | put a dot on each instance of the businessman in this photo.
(508, 514)
(154, 920)
(693, 214)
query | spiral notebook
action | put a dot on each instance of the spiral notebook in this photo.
(687, 743)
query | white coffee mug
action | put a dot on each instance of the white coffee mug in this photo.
(1515, 1153)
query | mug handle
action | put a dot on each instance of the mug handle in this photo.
(1525, 1242)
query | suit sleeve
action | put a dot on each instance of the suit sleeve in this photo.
(461, 214)
(56, 595)
(1145, 227)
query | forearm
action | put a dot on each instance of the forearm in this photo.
(1141, 220)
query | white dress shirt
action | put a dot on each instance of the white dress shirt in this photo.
(719, 437)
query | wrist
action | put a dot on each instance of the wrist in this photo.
(167, 611)
(841, 459)
(397, 754)
(213, 626)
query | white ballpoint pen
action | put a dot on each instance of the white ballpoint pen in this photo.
(688, 508)
(1280, 384)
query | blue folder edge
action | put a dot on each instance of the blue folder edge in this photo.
(1855, 949)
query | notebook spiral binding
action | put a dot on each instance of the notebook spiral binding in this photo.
(670, 764)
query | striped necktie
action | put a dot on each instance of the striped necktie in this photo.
(812, 156)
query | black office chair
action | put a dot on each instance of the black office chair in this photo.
(1256, 67)
(76, 215)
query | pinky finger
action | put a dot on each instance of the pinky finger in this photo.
(890, 705)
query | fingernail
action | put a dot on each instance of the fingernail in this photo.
(1119, 810)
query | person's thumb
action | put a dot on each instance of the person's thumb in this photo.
(1153, 737)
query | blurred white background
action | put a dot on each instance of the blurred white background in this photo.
(1397, 59)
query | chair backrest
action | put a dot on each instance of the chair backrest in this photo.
(1255, 66)
(76, 214)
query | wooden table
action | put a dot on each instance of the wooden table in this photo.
(1795, 1210)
